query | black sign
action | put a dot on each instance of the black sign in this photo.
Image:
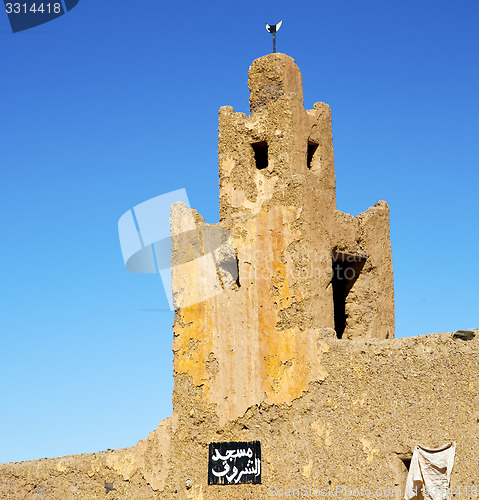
(234, 463)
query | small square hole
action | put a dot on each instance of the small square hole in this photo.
(109, 487)
(260, 154)
(312, 147)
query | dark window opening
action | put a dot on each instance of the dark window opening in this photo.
(229, 271)
(237, 272)
(346, 269)
(402, 472)
(407, 462)
(312, 147)
(260, 154)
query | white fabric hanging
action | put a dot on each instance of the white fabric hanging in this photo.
(430, 472)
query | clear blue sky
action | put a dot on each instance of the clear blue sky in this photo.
(116, 102)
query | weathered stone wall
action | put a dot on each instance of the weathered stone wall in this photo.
(129, 473)
(375, 400)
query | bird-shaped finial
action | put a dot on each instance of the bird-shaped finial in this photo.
(273, 29)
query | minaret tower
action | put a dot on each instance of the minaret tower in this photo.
(283, 268)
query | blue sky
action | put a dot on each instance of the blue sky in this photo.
(117, 102)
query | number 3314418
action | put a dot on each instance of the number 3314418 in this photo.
(42, 8)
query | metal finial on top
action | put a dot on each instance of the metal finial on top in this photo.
(273, 29)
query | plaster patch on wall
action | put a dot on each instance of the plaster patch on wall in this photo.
(196, 493)
(369, 450)
(307, 469)
(264, 187)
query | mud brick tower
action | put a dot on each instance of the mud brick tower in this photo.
(288, 381)
(289, 268)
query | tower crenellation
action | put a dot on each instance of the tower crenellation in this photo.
(262, 155)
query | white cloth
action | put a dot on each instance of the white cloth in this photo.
(430, 473)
